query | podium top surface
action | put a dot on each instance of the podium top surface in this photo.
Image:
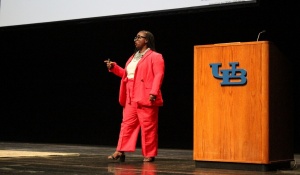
(233, 43)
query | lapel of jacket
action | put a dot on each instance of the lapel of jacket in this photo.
(144, 57)
(129, 60)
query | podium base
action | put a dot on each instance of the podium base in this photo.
(243, 166)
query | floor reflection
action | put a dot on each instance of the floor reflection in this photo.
(146, 168)
(231, 172)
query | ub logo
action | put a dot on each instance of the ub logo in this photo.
(238, 75)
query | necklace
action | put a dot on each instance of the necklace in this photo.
(138, 55)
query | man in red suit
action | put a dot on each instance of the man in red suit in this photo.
(140, 95)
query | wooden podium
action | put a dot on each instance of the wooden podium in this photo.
(242, 107)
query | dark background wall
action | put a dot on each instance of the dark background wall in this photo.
(57, 88)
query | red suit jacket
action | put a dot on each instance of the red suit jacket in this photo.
(148, 79)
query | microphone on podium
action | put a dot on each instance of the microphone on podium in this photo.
(259, 34)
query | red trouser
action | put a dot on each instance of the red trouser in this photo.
(137, 117)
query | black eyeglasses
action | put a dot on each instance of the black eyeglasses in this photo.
(138, 37)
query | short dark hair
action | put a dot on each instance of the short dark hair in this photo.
(150, 38)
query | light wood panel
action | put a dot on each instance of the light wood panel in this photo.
(231, 123)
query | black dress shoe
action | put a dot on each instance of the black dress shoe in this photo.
(117, 155)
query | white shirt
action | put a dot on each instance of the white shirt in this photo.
(132, 65)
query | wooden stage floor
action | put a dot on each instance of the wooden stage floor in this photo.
(60, 159)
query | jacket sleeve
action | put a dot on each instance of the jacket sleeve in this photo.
(158, 67)
(117, 70)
